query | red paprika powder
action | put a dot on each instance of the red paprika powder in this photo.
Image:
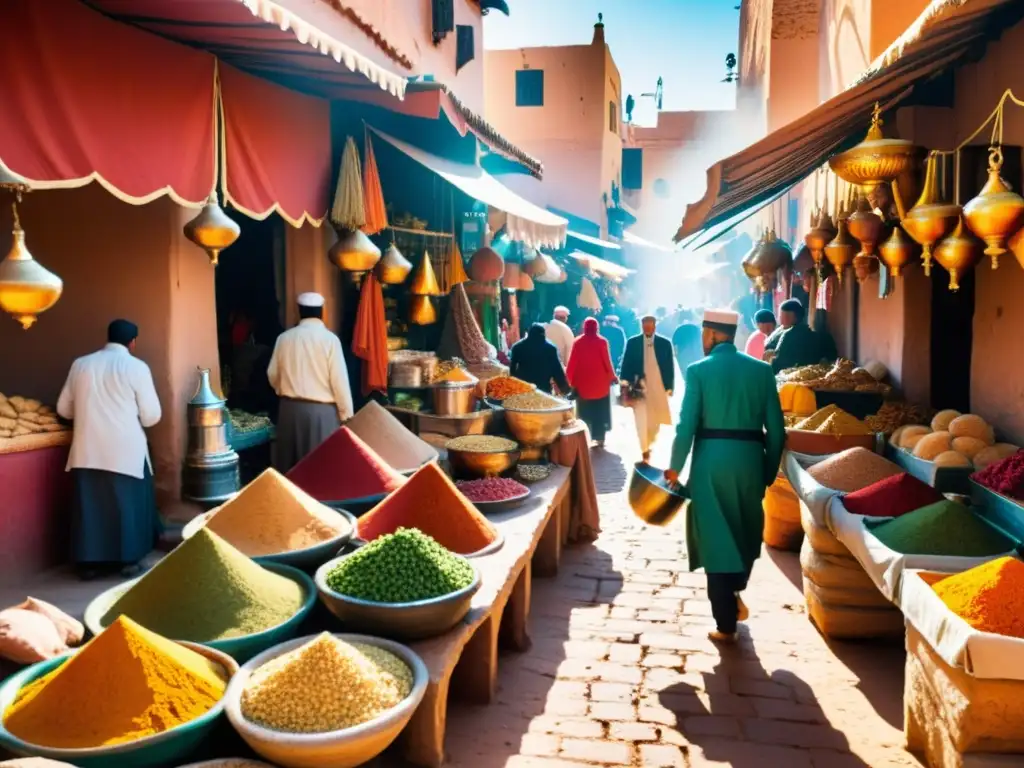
(891, 497)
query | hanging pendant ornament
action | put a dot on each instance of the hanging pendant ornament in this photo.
(930, 220)
(865, 226)
(212, 229)
(841, 251)
(424, 282)
(898, 252)
(393, 268)
(354, 252)
(422, 311)
(959, 253)
(27, 289)
(876, 160)
(997, 212)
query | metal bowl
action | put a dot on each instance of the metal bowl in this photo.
(650, 499)
(344, 748)
(453, 398)
(494, 507)
(401, 621)
(467, 465)
(166, 748)
(537, 429)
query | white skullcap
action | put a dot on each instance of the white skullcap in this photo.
(560, 310)
(311, 299)
(721, 319)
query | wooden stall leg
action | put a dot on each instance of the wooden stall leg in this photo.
(565, 512)
(476, 675)
(424, 736)
(515, 629)
(549, 549)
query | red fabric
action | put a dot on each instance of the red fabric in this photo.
(277, 146)
(85, 95)
(894, 496)
(343, 467)
(370, 336)
(590, 371)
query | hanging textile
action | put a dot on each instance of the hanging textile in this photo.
(370, 337)
(587, 298)
(349, 209)
(513, 321)
(465, 46)
(88, 99)
(277, 149)
(443, 12)
(373, 193)
(461, 336)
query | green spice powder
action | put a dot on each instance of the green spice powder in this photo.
(205, 589)
(943, 528)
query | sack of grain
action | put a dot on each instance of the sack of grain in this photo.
(836, 571)
(821, 538)
(810, 492)
(848, 623)
(846, 598)
(782, 529)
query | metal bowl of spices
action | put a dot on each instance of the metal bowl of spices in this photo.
(453, 398)
(472, 456)
(345, 748)
(240, 648)
(168, 747)
(535, 419)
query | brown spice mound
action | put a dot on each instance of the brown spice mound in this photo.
(852, 470)
(388, 437)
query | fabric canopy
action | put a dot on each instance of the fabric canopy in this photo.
(88, 99)
(602, 267)
(946, 35)
(553, 273)
(277, 149)
(526, 222)
(263, 37)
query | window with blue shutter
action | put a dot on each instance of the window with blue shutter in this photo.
(530, 88)
(465, 49)
(443, 13)
(632, 168)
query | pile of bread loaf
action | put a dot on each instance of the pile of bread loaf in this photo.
(24, 416)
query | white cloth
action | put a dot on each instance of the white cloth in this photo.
(310, 299)
(110, 396)
(560, 334)
(653, 411)
(309, 364)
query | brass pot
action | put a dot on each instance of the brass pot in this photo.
(841, 250)
(865, 226)
(898, 251)
(750, 264)
(393, 268)
(876, 160)
(422, 311)
(958, 253)
(354, 251)
(997, 212)
(775, 254)
(424, 282)
(821, 234)
(864, 266)
(27, 288)
(930, 219)
(212, 229)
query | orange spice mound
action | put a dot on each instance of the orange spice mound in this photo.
(989, 597)
(430, 502)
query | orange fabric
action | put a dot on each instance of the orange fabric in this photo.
(373, 193)
(370, 337)
(572, 449)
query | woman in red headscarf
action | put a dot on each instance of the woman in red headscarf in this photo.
(591, 375)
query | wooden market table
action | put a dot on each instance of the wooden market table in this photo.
(467, 656)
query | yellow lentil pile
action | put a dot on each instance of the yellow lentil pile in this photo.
(532, 401)
(325, 685)
(833, 420)
(481, 444)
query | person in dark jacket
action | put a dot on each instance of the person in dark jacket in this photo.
(648, 359)
(798, 345)
(535, 359)
(616, 337)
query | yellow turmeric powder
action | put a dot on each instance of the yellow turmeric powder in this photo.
(125, 684)
(833, 420)
(457, 376)
(989, 597)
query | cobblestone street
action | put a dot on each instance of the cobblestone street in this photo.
(621, 672)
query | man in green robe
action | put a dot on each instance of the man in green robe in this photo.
(732, 420)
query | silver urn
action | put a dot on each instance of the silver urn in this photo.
(210, 475)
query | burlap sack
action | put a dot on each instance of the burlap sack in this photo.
(851, 598)
(975, 715)
(818, 534)
(847, 623)
(782, 528)
(835, 571)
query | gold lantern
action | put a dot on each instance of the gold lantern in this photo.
(997, 212)
(821, 233)
(27, 289)
(354, 252)
(930, 219)
(422, 311)
(876, 160)
(775, 254)
(843, 248)
(750, 264)
(424, 282)
(212, 229)
(958, 253)
(865, 226)
(898, 251)
(393, 268)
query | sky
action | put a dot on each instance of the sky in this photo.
(683, 41)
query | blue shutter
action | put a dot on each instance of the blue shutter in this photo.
(465, 46)
(632, 168)
(530, 88)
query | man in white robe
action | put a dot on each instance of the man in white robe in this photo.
(560, 334)
(647, 364)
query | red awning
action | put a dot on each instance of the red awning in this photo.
(277, 149)
(88, 99)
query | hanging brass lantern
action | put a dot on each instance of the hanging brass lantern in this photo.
(486, 265)
(27, 289)
(997, 212)
(354, 252)
(422, 311)
(898, 251)
(821, 233)
(750, 265)
(212, 229)
(930, 219)
(393, 268)
(841, 251)
(424, 282)
(958, 253)
(865, 226)
(876, 160)
(775, 254)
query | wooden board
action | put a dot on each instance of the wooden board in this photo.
(468, 655)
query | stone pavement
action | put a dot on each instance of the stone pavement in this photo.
(621, 672)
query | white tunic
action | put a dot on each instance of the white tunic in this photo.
(560, 334)
(653, 411)
(110, 396)
(309, 364)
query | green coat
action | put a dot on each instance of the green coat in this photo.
(727, 390)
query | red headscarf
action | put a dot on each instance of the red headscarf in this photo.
(590, 370)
